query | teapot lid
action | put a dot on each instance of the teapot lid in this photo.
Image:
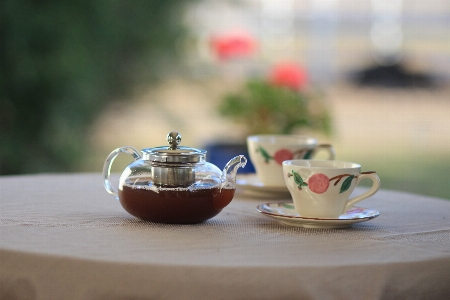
(174, 153)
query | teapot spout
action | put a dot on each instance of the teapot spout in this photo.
(230, 170)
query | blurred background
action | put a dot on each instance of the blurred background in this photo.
(79, 79)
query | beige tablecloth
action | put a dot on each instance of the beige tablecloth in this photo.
(63, 237)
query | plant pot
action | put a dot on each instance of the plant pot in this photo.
(220, 153)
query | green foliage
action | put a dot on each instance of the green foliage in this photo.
(264, 108)
(61, 62)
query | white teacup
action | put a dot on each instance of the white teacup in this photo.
(322, 188)
(267, 153)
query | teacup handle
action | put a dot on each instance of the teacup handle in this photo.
(327, 147)
(375, 187)
(108, 163)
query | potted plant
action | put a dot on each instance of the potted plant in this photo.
(281, 103)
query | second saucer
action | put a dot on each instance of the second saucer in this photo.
(251, 185)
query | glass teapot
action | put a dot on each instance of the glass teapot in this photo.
(172, 184)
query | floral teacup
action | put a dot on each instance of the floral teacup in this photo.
(322, 188)
(267, 153)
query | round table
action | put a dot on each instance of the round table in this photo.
(63, 237)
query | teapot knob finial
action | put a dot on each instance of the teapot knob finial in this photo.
(174, 139)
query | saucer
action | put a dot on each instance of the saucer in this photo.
(286, 214)
(251, 185)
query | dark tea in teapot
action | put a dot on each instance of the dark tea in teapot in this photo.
(174, 205)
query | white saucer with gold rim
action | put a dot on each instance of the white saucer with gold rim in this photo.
(286, 214)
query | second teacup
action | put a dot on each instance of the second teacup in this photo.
(322, 188)
(267, 153)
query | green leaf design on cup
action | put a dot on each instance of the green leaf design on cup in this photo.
(298, 179)
(308, 154)
(346, 184)
(264, 153)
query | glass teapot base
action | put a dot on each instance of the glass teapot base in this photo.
(175, 206)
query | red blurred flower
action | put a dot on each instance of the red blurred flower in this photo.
(233, 44)
(290, 75)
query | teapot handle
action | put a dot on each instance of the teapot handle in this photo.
(108, 163)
